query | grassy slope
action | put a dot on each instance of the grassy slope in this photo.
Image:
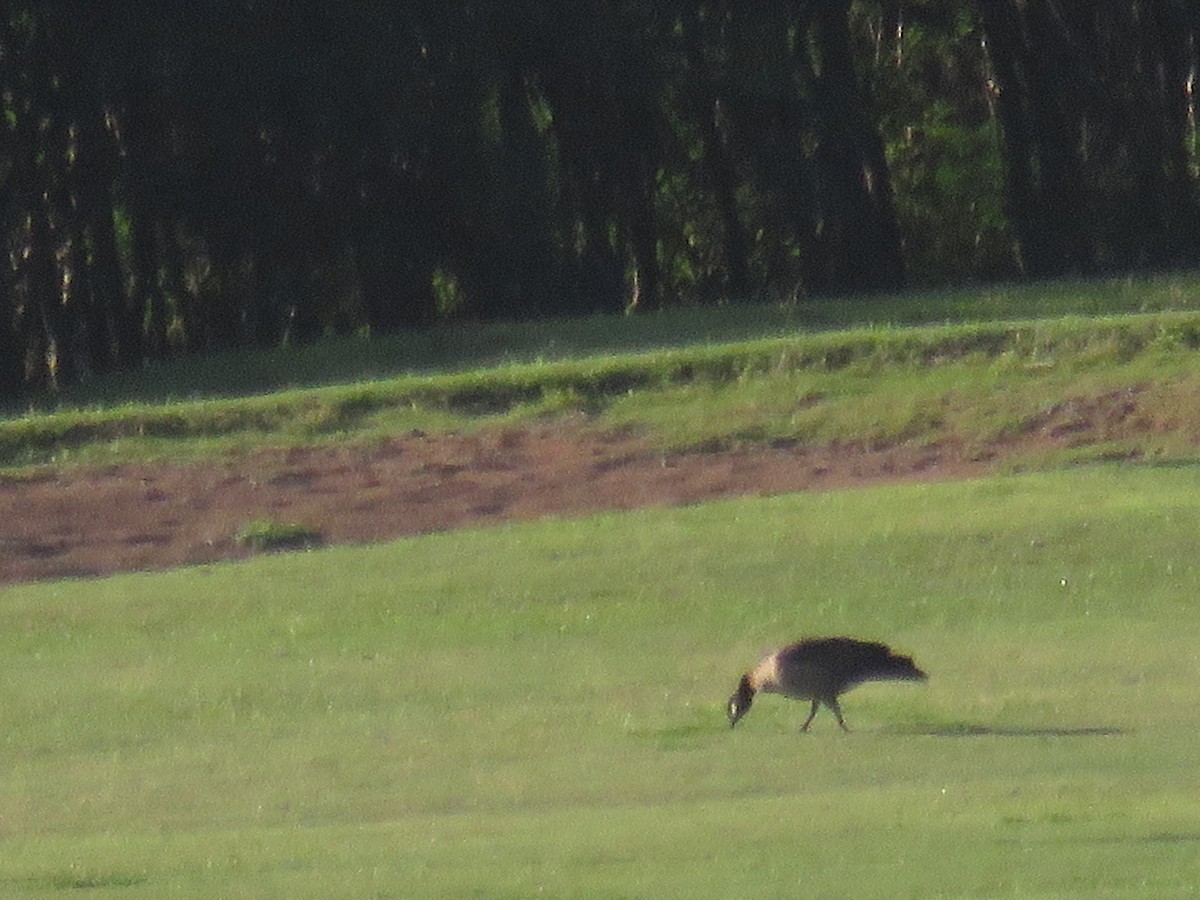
(540, 708)
(968, 382)
(459, 348)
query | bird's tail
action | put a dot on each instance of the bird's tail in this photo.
(894, 667)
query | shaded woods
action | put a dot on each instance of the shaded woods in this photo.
(184, 177)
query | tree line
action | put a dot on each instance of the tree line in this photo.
(187, 176)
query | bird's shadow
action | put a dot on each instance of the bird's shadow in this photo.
(971, 729)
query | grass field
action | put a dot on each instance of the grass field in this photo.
(538, 709)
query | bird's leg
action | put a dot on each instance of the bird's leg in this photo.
(811, 713)
(837, 711)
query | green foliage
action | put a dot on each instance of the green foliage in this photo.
(949, 202)
(944, 143)
(538, 708)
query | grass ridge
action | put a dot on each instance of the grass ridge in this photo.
(592, 384)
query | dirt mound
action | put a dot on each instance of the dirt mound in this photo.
(94, 521)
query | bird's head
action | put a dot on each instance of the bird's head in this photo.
(740, 702)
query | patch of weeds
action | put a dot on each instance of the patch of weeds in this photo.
(80, 881)
(268, 534)
(560, 401)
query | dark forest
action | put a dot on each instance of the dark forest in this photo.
(187, 176)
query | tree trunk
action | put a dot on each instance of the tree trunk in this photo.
(856, 184)
(1009, 55)
(716, 157)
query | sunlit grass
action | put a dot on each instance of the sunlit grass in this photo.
(459, 347)
(865, 386)
(539, 708)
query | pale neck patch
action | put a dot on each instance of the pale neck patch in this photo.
(765, 676)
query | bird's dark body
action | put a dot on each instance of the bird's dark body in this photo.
(820, 670)
(831, 666)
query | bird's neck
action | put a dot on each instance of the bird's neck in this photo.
(764, 676)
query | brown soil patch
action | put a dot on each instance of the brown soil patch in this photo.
(94, 521)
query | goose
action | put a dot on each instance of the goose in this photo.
(821, 669)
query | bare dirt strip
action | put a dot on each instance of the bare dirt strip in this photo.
(95, 521)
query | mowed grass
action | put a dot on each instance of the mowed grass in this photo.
(539, 709)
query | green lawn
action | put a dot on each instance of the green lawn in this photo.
(538, 709)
